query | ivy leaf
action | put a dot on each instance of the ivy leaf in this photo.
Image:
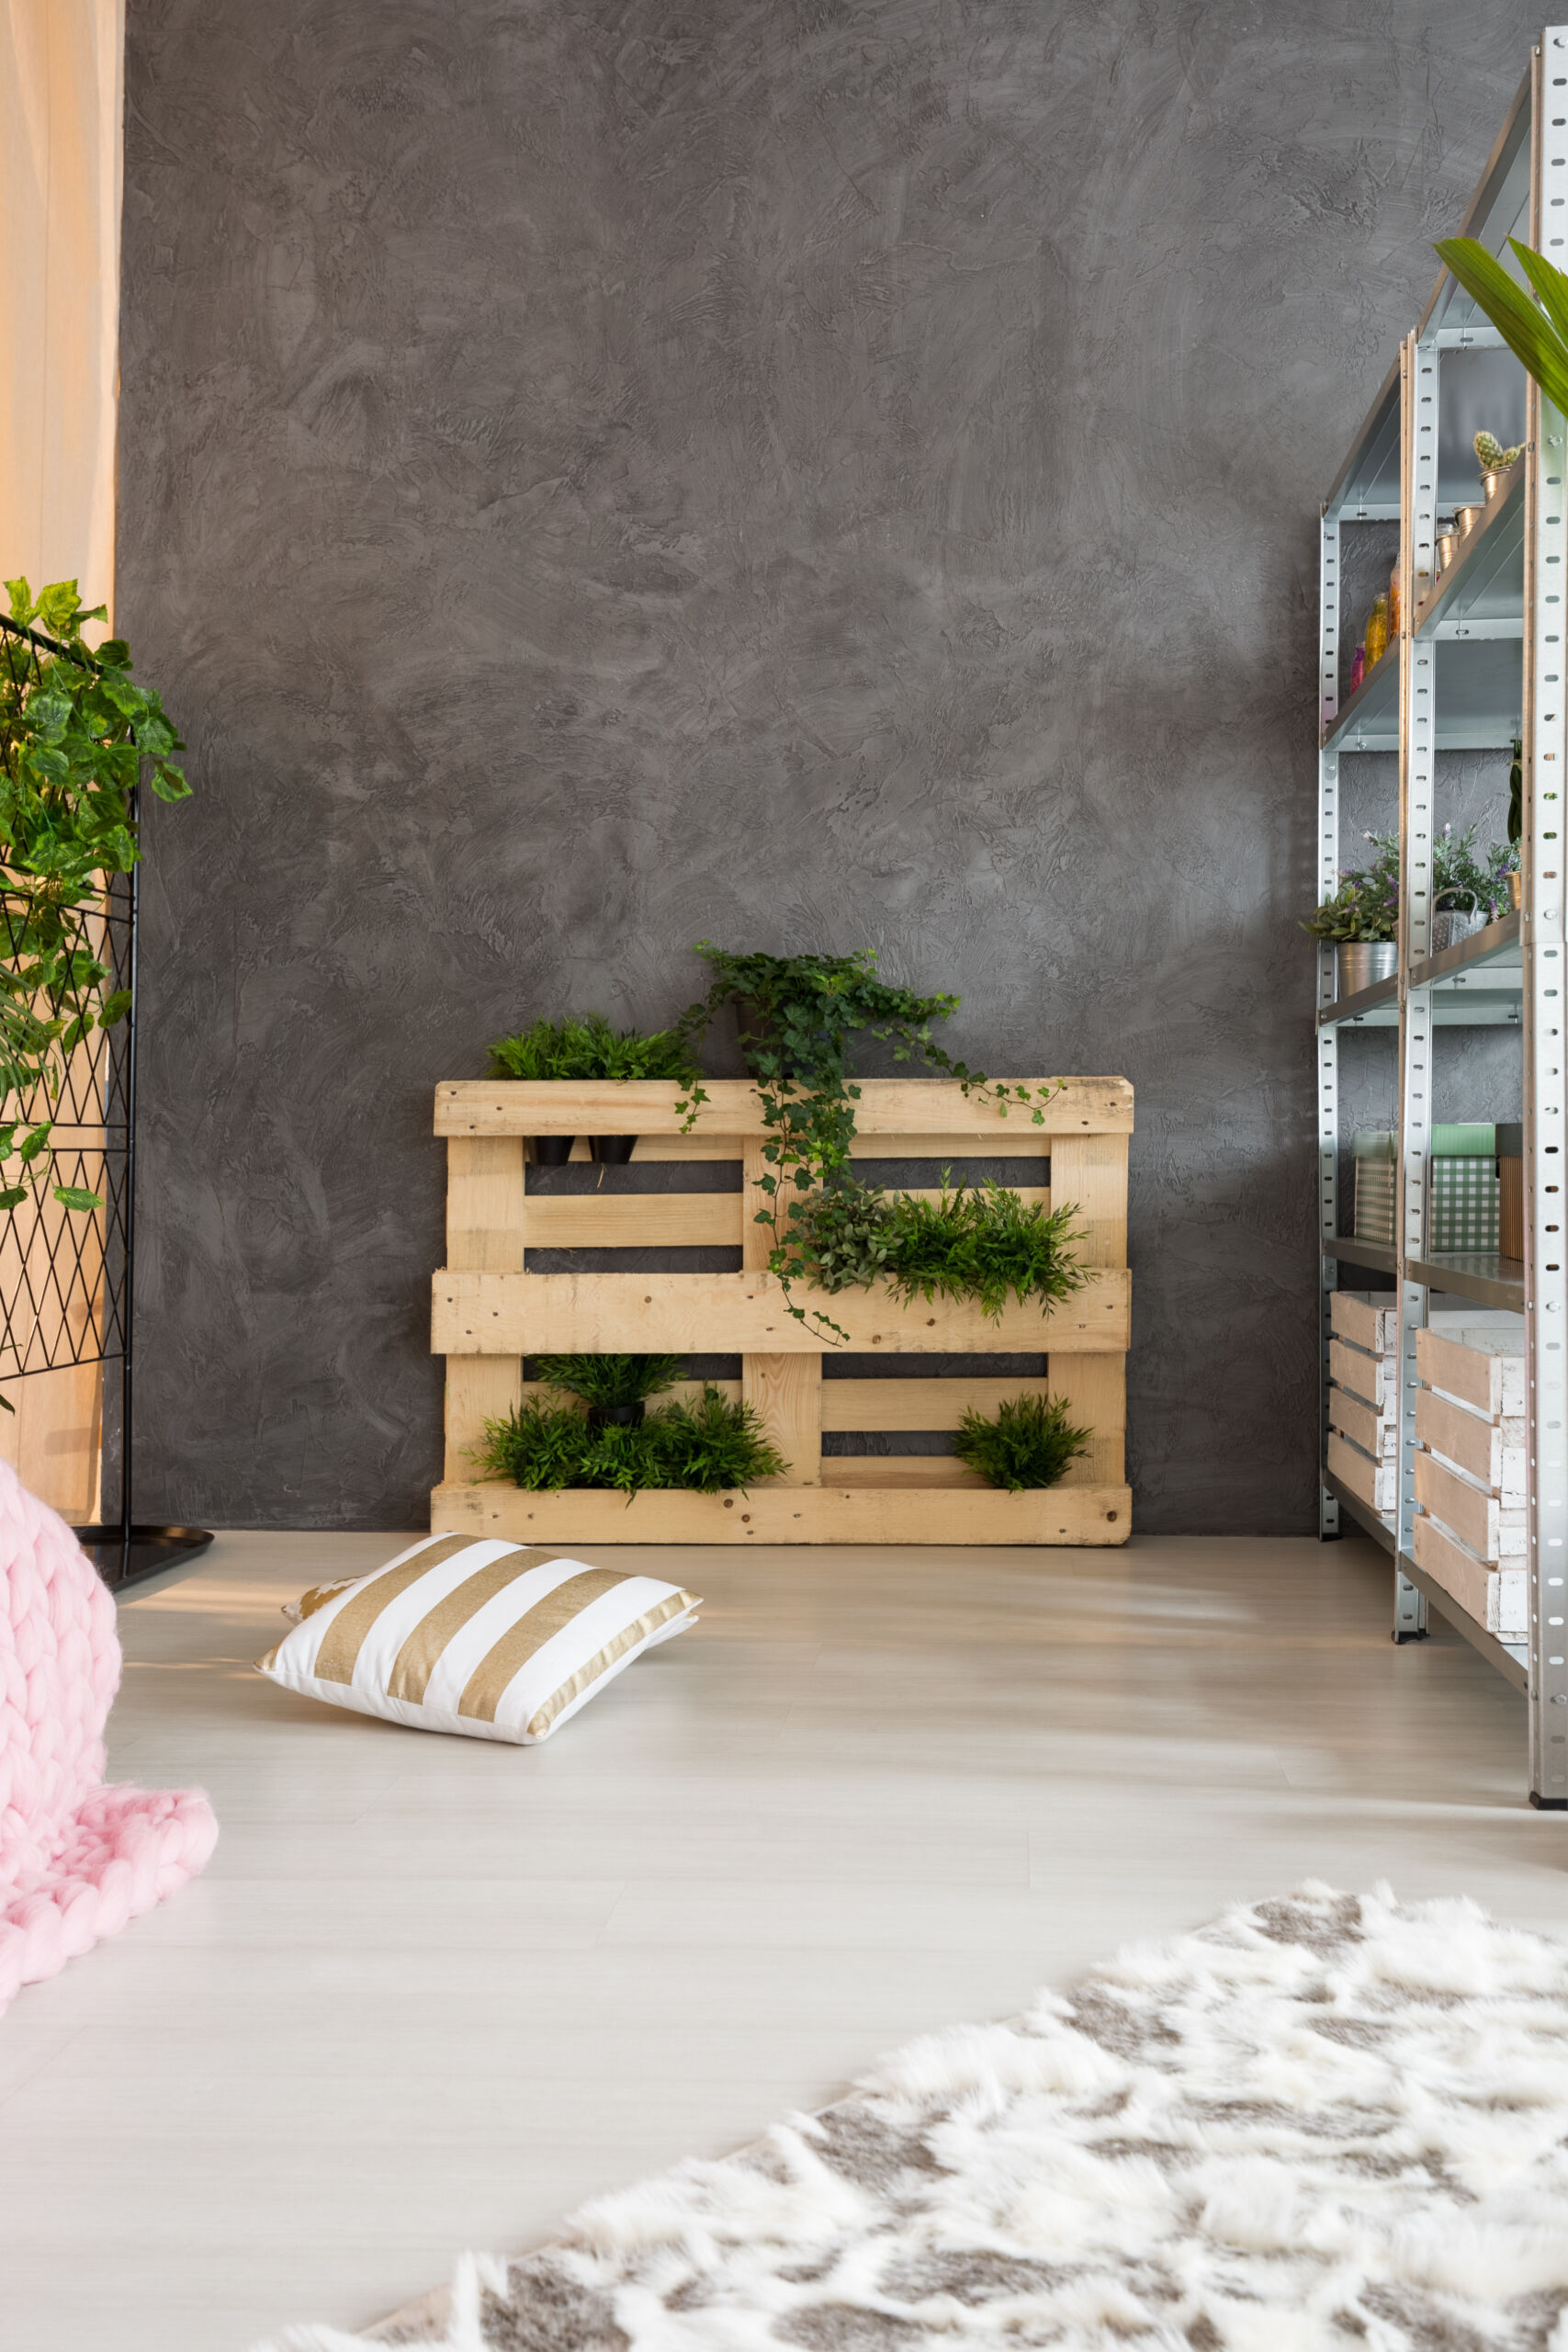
(75, 1196)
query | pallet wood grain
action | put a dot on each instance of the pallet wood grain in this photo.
(827, 1514)
(901, 1106)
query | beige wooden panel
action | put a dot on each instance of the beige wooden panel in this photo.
(485, 1215)
(934, 1404)
(1365, 1326)
(507, 1314)
(837, 1514)
(1094, 1389)
(887, 1106)
(1491, 1380)
(1477, 1518)
(1374, 1379)
(1493, 1452)
(1374, 1481)
(903, 1470)
(785, 1389)
(1090, 1172)
(52, 1438)
(478, 1389)
(1472, 1583)
(485, 1208)
(1376, 1433)
(634, 1221)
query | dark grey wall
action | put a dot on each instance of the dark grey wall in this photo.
(595, 477)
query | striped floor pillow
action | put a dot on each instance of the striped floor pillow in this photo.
(470, 1634)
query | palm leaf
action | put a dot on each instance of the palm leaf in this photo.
(1548, 283)
(1528, 333)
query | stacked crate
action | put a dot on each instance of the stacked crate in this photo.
(1470, 1532)
(1363, 1395)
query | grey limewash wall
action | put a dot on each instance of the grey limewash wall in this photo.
(805, 474)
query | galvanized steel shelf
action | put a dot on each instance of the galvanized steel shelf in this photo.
(1479, 663)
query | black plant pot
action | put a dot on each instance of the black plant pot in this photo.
(613, 1151)
(617, 1417)
(552, 1151)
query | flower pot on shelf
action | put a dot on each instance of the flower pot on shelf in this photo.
(552, 1151)
(1358, 963)
(1450, 924)
(613, 1151)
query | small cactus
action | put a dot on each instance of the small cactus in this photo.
(1492, 457)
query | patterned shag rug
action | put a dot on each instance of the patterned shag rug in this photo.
(1325, 2122)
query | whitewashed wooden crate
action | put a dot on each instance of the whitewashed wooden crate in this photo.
(1484, 1368)
(1375, 1483)
(1495, 1596)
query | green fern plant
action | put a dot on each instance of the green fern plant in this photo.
(609, 1381)
(589, 1048)
(1028, 1442)
(705, 1447)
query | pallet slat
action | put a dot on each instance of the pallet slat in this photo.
(835, 1514)
(887, 1106)
(1476, 1517)
(517, 1314)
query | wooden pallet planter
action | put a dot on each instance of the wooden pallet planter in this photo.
(489, 1312)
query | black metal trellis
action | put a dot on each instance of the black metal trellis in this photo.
(68, 1277)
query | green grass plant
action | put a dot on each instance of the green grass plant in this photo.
(707, 1447)
(589, 1048)
(1028, 1443)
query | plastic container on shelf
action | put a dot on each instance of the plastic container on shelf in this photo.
(1377, 632)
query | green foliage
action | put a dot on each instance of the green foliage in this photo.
(1366, 904)
(704, 1447)
(1030, 1443)
(1535, 335)
(978, 1241)
(840, 1238)
(608, 1380)
(1491, 455)
(77, 736)
(590, 1047)
(799, 1016)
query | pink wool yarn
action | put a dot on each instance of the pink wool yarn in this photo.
(77, 1859)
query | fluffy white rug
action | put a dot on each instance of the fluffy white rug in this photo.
(1325, 2122)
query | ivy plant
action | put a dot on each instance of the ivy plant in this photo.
(77, 737)
(799, 1016)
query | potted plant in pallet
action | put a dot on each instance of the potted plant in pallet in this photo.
(1028, 1443)
(614, 1388)
(709, 1445)
(589, 1048)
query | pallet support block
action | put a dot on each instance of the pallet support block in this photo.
(489, 1312)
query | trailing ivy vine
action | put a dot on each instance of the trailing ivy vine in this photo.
(797, 1015)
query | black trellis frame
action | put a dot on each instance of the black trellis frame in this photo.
(68, 1297)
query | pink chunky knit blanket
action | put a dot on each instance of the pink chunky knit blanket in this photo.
(77, 1859)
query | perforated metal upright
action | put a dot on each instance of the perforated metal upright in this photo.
(1542, 937)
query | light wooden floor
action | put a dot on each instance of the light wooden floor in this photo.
(432, 1992)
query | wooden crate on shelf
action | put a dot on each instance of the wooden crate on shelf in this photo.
(491, 1312)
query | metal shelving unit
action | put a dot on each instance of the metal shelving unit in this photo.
(1479, 662)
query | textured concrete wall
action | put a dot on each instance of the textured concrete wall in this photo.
(791, 472)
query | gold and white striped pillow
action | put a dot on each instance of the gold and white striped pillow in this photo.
(470, 1634)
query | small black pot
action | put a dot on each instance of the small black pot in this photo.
(617, 1417)
(552, 1151)
(614, 1151)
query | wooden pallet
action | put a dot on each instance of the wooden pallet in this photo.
(491, 1312)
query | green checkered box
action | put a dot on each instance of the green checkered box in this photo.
(1462, 1188)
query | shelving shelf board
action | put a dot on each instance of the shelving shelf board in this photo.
(1480, 1274)
(1476, 685)
(1511, 1659)
(1344, 1247)
(1370, 1522)
(1371, 1007)
(493, 1308)
(1484, 588)
(1498, 209)
(1367, 487)
(1494, 950)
